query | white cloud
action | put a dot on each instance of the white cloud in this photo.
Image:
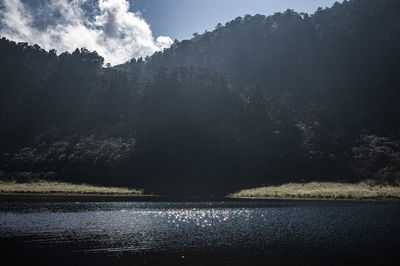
(164, 42)
(115, 33)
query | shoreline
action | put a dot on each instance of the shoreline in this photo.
(41, 190)
(54, 190)
(334, 191)
(57, 197)
(394, 199)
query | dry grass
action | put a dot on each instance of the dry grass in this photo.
(51, 187)
(323, 190)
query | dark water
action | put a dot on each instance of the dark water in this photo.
(201, 233)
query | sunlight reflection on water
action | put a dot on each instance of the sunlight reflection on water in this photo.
(146, 227)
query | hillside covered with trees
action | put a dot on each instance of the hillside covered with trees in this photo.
(259, 100)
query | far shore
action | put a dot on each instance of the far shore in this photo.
(54, 189)
(365, 190)
(41, 190)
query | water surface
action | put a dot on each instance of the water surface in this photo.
(227, 233)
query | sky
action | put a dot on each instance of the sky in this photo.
(179, 19)
(120, 30)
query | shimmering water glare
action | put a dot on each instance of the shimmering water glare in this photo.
(179, 227)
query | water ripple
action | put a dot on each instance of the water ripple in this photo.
(178, 227)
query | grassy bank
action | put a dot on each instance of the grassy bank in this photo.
(42, 187)
(323, 190)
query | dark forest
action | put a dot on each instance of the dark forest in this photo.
(260, 100)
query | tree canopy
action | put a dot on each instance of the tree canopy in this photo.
(259, 100)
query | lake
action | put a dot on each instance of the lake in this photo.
(233, 232)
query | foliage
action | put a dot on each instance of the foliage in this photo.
(323, 190)
(259, 100)
(378, 158)
(60, 188)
